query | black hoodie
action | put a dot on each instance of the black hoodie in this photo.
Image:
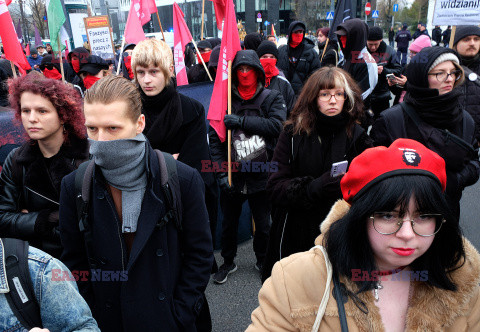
(358, 61)
(307, 61)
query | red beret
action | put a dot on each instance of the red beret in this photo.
(404, 156)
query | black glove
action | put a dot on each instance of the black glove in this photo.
(233, 121)
(224, 186)
(46, 221)
(324, 187)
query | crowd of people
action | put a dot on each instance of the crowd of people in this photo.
(108, 207)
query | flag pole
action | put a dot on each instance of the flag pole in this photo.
(13, 69)
(60, 57)
(203, 62)
(161, 29)
(120, 58)
(324, 49)
(229, 132)
(203, 20)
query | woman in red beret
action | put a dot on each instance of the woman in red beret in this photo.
(393, 249)
(321, 131)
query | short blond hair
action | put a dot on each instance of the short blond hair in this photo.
(153, 52)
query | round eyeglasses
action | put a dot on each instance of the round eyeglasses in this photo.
(327, 96)
(442, 76)
(387, 223)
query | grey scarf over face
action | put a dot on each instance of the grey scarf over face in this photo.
(123, 165)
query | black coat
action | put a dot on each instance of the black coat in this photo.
(300, 196)
(167, 269)
(197, 73)
(330, 58)
(36, 190)
(437, 35)
(385, 56)
(470, 99)
(308, 61)
(282, 85)
(391, 35)
(462, 168)
(446, 36)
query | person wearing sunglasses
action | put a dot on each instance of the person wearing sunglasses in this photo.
(431, 114)
(393, 249)
(321, 131)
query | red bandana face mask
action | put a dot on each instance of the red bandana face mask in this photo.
(343, 40)
(247, 83)
(52, 73)
(269, 65)
(128, 65)
(76, 64)
(205, 56)
(90, 80)
(296, 39)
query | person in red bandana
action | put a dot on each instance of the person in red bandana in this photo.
(127, 62)
(256, 121)
(274, 79)
(298, 59)
(50, 69)
(94, 69)
(198, 73)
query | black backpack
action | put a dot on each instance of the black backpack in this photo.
(170, 188)
(21, 297)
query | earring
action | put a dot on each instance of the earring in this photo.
(64, 130)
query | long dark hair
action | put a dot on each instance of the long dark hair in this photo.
(305, 112)
(347, 240)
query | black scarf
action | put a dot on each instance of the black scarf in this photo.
(469, 61)
(328, 125)
(439, 111)
(163, 115)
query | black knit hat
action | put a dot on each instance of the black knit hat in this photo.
(252, 41)
(267, 47)
(93, 65)
(204, 44)
(375, 33)
(465, 31)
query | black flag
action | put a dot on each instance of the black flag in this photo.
(343, 12)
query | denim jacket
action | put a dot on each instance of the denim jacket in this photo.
(62, 308)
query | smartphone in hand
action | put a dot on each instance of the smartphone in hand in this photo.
(339, 168)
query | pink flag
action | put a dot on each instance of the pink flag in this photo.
(150, 4)
(181, 38)
(219, 6)
(228, 49)
(11, 46)
(133, 29)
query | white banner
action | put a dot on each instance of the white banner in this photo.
(456, 12)
(78, 28)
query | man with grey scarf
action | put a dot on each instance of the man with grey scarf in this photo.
(141, 274)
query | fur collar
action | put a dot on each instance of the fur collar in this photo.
(430, 308)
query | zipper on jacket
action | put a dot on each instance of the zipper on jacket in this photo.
(118, 228)
(44, 197)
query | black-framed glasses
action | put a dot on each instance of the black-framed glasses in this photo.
(442, 76)
(324, 96)
(425, 225)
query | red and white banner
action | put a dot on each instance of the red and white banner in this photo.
(181, 37)
(228, 49)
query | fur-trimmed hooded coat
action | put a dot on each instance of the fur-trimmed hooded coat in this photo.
(289, 300)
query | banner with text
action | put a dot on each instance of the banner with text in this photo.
(456, 12)
(99, 36)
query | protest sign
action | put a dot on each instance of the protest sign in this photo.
(99, 36)
(456, 12)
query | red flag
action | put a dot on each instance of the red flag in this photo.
(181, 38)
(228, 49)
(219, 6)
(150, 4)
(133, 29)
(11, 46)
(27, 50)
(144, 9)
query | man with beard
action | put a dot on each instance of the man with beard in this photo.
(467, 45)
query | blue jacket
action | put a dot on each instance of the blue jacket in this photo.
(159, 286)
(61, 306)
(34, 62)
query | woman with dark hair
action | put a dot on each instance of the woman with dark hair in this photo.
(327, 53)
(51, 113)
(394, 250)
(432, 115)
(322, 131)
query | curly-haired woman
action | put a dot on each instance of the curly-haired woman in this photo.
(51, 113)
(322, 130)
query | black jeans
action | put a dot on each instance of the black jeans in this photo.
(232, 208)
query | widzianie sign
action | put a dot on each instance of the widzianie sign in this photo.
(456, 12)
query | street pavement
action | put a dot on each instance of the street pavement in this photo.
(232, 303)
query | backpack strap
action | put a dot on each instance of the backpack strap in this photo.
(83, 184)
(171, 189)
(21, 297)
